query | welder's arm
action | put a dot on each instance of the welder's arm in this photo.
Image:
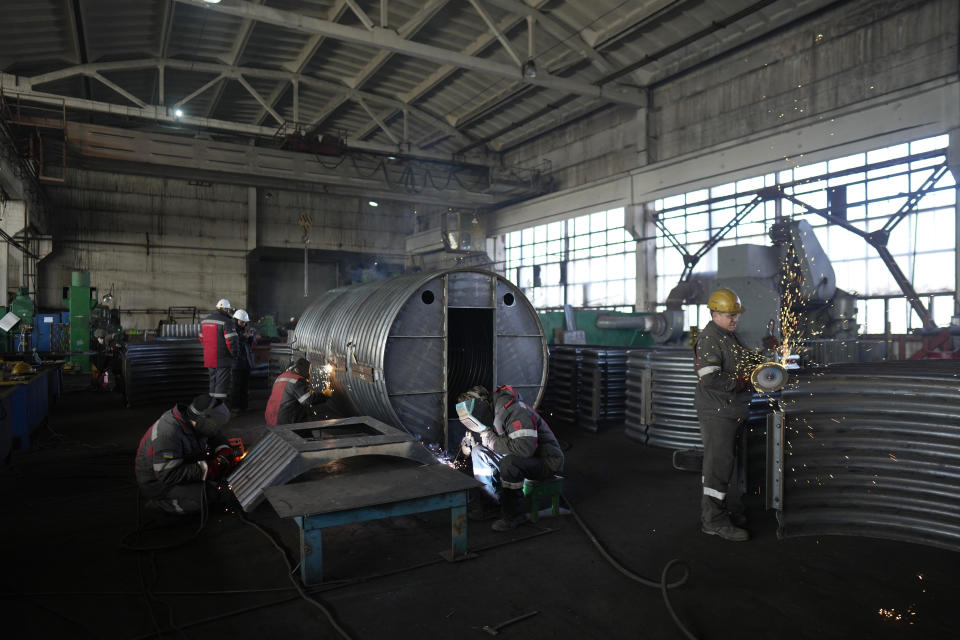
(171, 469)
(710, 369)
(519, 436)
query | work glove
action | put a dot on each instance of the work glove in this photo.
(743, 382)
(488, 438)
(467, 444)
(770, 342)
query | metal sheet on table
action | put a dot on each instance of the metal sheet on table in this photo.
(366, 489)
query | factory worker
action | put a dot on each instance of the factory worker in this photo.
(515, 443)
(242, 363)
(722, 400)
(292, 396)
(182, 450)
(218, 333)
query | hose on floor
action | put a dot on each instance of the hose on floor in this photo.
(663, 585)
(303, 594)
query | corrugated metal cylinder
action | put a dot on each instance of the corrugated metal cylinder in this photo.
(873, 449)
(402, 349)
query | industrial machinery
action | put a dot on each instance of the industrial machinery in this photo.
(80, 299)
(401, 349)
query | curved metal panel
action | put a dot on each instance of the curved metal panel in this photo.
(388, 343)
(673, 423)
(874, 450)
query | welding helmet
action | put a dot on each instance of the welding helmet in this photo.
(301, 367)
(474, 409)
(208, 414)
(725, 301)
(241, 315)
(224, 304)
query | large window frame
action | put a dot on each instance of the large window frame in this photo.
(876, 184)
(587, 261)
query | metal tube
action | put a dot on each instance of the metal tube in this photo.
(401, 349)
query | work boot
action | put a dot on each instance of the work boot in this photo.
(738, 519)
(507, 523)
(726, 531)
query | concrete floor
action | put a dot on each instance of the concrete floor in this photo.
(71, 500)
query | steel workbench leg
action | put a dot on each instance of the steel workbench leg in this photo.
(458, 528)
(311, 551)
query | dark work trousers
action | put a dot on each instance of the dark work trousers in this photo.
(721, 488)
(185, 498)
(502, 476)
(219, 382)
(238, 389)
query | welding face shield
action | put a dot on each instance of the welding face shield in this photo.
(208, 415)
(474, 410)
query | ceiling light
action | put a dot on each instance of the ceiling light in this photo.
(212, 1)
(373, 203)
(529, 69)
(391, 157)
(178, 113)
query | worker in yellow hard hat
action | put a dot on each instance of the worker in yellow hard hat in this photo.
(722, 400)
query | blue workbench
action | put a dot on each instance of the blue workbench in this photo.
(25, 404)
(371, 495)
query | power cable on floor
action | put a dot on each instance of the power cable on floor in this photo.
(303, 594)
(327, 586)
(663, 585)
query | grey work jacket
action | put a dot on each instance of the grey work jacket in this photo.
(723, 365)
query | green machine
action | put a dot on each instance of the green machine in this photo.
(80, 299)
(268, 327)
(589, 323)
(22, 306)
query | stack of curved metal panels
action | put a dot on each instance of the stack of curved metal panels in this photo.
(402, 349)
(636, 415)
(673, 382)
(603, 387)
(874, 450)
(180, 331)
(562, 395)
(168, 370)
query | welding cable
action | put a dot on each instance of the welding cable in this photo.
(303, 594)
(326, 586)
(662, 585)
(129, 546)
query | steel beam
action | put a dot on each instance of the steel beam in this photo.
(111, 147)
(496, 31)
(570, 38)
(385, 39)
(20, 87)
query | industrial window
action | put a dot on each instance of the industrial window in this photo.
(874, 186)
(587, 261)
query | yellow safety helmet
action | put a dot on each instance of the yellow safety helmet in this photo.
(725, 301)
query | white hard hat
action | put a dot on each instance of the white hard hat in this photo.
(241, 315)
(223, 304)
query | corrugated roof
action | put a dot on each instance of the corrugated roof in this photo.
(448, 104)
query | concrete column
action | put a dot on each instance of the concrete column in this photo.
(953, 161)
(12, 220)
(639, 219)
(251, 218)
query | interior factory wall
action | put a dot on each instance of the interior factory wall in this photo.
(162, 242)
(864, 75)
(339, 223)
(157, 242)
